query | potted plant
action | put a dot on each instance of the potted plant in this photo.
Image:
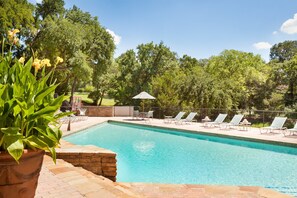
(28, 120)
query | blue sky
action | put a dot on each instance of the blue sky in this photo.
(199, 28)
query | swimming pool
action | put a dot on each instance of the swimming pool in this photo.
(147, 154)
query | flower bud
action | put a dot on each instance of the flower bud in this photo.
(22, 60)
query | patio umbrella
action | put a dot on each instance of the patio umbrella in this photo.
(144, 95)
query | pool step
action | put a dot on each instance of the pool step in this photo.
(82, 182)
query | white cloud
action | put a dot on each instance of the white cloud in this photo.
(275, 32)
(116, 38)
(290, 25)
(262, 45)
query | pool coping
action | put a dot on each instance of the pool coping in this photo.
(272, 142)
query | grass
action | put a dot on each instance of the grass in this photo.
(260, 125)
(84, 96)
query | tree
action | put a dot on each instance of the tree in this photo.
(240, 74)
(125, 81)
(290, 69)
(53, 8)
(188, 63)
(80, 40)
(138, 69)
(283, 55)
(102, 83)
(166, 89)
(283, 51)
(17, 14)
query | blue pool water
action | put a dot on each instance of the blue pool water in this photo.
(156, 155)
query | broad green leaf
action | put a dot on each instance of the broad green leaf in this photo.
(14, 146)
(45, 92)
(34, 141)
(10, 130)
(43, 112)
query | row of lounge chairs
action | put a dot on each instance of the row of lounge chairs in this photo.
(178, 118)
(277, 123)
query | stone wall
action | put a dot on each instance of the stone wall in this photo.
(97, 160)
(100, 111)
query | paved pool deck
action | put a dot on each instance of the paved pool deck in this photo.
(64, 180)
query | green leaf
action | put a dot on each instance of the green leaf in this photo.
(43, 112)
(14, 145)
(10, 130)
(36, 142)
(16, 110)
(45, 92)
(53, 153)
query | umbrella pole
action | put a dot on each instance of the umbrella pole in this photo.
(142, 106)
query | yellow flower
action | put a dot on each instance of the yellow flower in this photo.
(15, 40)
(22, 60)
(59, 60)
(45, 62)
(36, 64)
(10, 33)
(15, 31)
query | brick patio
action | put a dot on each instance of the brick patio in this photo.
(65, 180)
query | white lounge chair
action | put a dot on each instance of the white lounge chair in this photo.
(188, 119)
(82, 113)
(135, 114)
(150, 114)
(277, 124)
(219, 120)
(178, 117)
(234, 122)
(293, 130)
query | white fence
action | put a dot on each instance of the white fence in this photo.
(123, 111)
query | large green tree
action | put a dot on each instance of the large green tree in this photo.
(138, 69)
(283, 51)
(240, 74)
(17, 14)
(80, 40)
(290, 72)
(52, 8)
(283, 57)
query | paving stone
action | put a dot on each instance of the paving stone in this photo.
(63, 180)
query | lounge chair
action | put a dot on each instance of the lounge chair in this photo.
(219, 120)
(178, 117)
(135, 114)
(188, 119)
(150, 114)
(293, 130)
(82, 113)
(277, 124)
(234, 122)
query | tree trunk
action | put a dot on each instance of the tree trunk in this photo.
(101, 98)
(72, 91)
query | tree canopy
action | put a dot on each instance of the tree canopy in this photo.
(230, 80)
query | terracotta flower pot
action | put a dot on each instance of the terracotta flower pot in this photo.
(20, 180)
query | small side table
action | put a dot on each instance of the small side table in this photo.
(205, 121)
(245, 126)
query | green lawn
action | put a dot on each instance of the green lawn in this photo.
(105, 102)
